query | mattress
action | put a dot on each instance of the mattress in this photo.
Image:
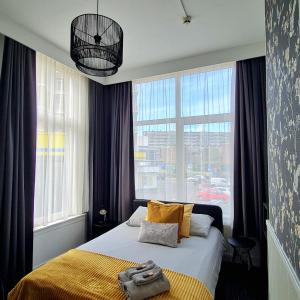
(195, 256)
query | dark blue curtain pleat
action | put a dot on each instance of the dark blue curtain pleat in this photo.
(17, 161)
(111, 157)
(250, 148)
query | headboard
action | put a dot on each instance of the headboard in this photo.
(211, 210)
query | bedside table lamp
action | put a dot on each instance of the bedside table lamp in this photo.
(103, 213)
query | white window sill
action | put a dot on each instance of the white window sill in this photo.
(61, 223)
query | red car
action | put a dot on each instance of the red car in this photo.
(213, 194)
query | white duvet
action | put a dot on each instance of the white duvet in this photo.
(195, 256)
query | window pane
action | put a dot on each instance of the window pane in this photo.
(208, 164)
(155, 100)
(206, 93)
(49, 159)
(200, 134)
(62, 138)
(155, 161)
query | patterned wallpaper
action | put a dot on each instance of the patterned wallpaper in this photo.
(283, 105)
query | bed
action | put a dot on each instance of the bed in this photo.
(197, 257)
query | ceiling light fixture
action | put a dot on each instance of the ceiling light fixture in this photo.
(186, 19)
(96, 44)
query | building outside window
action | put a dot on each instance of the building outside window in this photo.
(183, 137)
(61, 187)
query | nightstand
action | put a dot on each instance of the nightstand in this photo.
(101, 227)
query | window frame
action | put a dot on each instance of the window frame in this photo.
(62, 122)
(180, 121)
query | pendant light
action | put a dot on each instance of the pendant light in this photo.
(96, 44)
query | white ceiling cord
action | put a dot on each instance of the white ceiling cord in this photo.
(186, 19)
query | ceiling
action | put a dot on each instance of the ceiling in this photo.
(153, 29)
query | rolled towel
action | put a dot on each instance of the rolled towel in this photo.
(140, 292)
(147, 276)
(123, 277)
(140, 268)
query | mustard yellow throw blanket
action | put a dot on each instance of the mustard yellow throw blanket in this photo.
(80, 274)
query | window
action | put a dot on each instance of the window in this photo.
(62, 139)
(183, 136)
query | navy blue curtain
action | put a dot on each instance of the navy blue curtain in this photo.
(17, 161)
(250, 149)
(111, 151)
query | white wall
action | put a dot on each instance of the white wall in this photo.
(58, 238)
(212, 58)
(38, 43)
(283, 281)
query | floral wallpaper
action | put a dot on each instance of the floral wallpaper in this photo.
(283, 105)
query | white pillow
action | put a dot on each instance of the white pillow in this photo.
(137, 217)
(165, 234)
(200, 224)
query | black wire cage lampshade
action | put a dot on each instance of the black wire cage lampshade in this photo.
(96, 44)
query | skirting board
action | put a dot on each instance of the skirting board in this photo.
(283, 281)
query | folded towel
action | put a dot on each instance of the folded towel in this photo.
(140, 268)
(147, 276)
(141, 278)
(123, 277)
(140, 292)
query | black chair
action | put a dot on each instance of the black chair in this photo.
(240, 246)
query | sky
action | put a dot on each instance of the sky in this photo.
(203, 93)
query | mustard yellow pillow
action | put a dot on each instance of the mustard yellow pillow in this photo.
(186, 222)
(166, 213)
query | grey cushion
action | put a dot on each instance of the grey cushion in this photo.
(159, 233)
(200, 224)
(137, 217)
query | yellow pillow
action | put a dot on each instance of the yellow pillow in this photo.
(186, 222)
(166, 213)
